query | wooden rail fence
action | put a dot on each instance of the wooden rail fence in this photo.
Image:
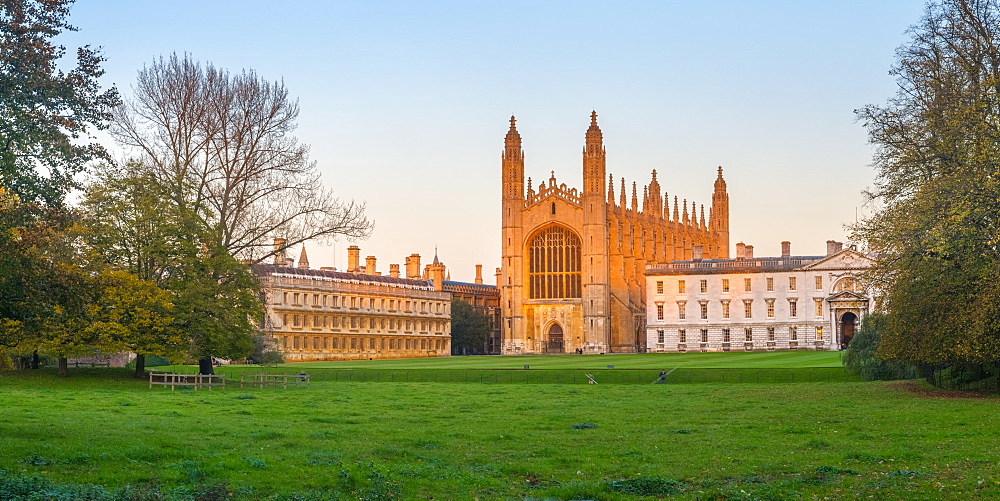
(195, 380)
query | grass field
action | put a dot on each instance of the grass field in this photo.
(753, 359)
(367, 440)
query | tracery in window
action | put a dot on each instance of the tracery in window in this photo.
(554, 264)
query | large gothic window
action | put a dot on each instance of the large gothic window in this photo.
(554, 264)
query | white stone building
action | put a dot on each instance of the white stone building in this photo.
(743, 304)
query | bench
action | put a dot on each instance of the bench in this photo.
(195, 380)
(261, 380)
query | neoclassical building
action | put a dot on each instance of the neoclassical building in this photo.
(325, 314)
(747, 304)
(573, 260)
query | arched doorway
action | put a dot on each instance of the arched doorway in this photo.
(847, 323)
(554, 340)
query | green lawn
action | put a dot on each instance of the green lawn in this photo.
(362, 440)
(753, 359)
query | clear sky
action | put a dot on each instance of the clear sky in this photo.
(405, 104)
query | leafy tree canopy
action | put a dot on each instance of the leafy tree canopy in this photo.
(469, 328)
(45, 113)
(937, 224)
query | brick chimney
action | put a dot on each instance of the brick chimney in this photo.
(370, 265)
(741, 251)
(786, 249)
(394, 270)
(413, 266)
(833, 247)
(748, 250)
(353, 258)
(479, 273)
(279, 246)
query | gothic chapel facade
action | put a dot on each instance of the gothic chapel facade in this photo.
(573, 262)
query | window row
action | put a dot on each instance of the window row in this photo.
(352, 322)
(749, 334)
(747, 285)
(725, 309)
(356, 343)
(335, 301)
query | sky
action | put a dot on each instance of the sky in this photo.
(405, 104)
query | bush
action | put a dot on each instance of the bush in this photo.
(862, 357)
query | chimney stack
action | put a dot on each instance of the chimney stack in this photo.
(833, 247)
(748, 251)
(499, 275)
(436, 273)
(394, 270)
(279, 255)
(479, 273)
(370, 265)
(353, 258)
(786, 249)
(741, 252)
(289, 262)
(697, 253)
(413, 266)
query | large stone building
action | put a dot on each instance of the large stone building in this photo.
(744, 304)
(573, 260)
(359, 313)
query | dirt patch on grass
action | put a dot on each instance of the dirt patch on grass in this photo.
(925, 390)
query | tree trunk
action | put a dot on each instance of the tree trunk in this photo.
(205, 366)
(34, 359)
(140, 366)
(63, 367)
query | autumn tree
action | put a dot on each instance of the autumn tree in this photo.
(133, 314)
(937, 197)
(223, 144)
(46, 115)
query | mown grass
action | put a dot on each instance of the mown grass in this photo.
(365, 440)
(715, 360)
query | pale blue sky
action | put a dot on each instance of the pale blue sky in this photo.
(406, 104)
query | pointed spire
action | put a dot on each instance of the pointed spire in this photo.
(611, 190)
(512, 134)
(684, 216)
(635, 198)
(436, 255)
(694, 214)
(666, 206)
(303, 258)
(552, 180)
(622, 196)
(594, 135)
(702, 218)
(676, 214)
(645, 199)
(720, 183)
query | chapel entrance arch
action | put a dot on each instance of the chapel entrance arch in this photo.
(848, 323)
(554, 339)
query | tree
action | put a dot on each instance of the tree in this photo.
(217, 301)
(223, 145)
(137, 315)
(469, 328)
(937, 225)
(862, 357)
(44, 112)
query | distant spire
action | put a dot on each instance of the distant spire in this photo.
(720, 183)
(702, 218)
(436, 255)
(676, 214)
(303, 259)
(666, 206)
(512, 135)
(635, 198)
(685, 214)
(622, 195)
(645, 199)
(611, 190)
